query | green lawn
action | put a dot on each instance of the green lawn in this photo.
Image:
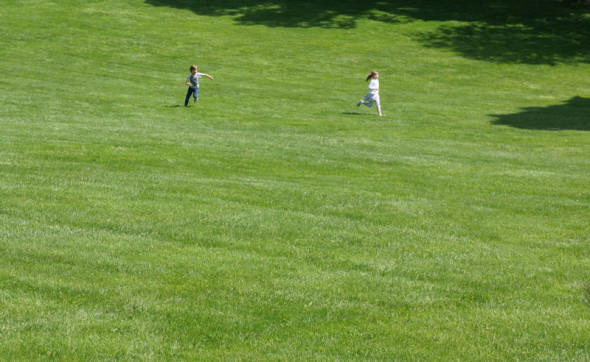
(274, 219)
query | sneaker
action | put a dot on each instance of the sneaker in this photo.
(195, 100)
(359, 103)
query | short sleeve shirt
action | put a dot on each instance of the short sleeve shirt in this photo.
(194, 79)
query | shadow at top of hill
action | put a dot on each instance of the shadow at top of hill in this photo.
(534, 41)
(339, 14)
(522, 31)
(572, 115)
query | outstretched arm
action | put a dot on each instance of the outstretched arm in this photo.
(207, 75)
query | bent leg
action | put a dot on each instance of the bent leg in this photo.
(368, 100)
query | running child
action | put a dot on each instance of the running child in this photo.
(193, 84)
(373, 95)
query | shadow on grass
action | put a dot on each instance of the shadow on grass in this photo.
(523, 31)
(340, 14)
(573, 115)
(536, 41)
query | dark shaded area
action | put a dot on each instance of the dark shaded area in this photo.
(339, 14)
(529, 41)
(573, 115)
(518, 31)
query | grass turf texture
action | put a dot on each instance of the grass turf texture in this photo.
(274, 219)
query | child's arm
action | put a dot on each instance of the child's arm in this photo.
(207, 75)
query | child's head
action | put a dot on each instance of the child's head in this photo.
(193, 68)
(373, 75)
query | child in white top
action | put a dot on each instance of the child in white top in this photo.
(373, 95)
(193, 84)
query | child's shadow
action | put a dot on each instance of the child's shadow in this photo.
(174, 106)
(353, 113)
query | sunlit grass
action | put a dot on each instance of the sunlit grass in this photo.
(274, 219)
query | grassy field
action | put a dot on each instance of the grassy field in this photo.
(274, 219)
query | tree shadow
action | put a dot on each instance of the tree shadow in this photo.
(523, 31)
(572, 115)
(532, 42)
(331, 14)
